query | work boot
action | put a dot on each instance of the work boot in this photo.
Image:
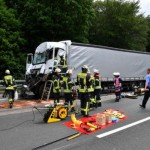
(87, 115)
(120, 97)
(99, 104)
(4, 95)
(142, 106)
(91, 105)
(117, 100)
(95, 105)
(82, 112)
(10, 105)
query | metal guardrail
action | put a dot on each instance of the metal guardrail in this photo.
(18, 82)
(21, 82)
(124, 79)
(110, 79)
(106, 89)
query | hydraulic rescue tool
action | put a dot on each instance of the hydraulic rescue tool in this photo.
(91, 127)
(74, 120)
(55, 113)
(87, 129)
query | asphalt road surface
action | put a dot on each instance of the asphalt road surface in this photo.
(19, 132)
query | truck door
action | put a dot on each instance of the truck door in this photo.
(29, 60)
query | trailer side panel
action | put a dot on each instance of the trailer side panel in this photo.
(129, 64)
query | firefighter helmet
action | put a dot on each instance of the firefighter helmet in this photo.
(58, 70)
(85, 68)
(69, 71)
(7, 71)
(61, 55)
(96, 71)
(116, 74)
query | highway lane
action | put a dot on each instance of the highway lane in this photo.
(28, 135)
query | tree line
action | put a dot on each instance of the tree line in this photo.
(24, 24)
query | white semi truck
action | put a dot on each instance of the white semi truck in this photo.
(40, 66)
(131, 64)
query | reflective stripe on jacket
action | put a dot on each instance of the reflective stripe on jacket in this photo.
(9, 82)
(117, 84)
(81, 79)
(67, 85)
(86, 82)
(63, 63)
(97, 84)
(56, 84)
(86, 109)
(90, 84)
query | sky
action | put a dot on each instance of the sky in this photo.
(145, 7)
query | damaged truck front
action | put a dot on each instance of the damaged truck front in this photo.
(40, 66)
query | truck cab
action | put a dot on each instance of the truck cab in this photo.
(40, 66)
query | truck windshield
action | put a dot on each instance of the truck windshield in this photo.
(39, 58)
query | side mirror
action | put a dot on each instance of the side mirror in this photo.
(29, 60)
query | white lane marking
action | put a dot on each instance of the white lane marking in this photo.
(122, 128)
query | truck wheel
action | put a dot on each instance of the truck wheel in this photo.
(36, 93)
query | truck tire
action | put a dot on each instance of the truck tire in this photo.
(36, 93)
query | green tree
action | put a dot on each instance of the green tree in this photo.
(10, 42)
(55, 20)
(148, 38)
(39, 21)
(118, 23)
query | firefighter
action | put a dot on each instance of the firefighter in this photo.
(9, 82)
(90, 84)
(117, 85)
(63, 63)
(67, 85)
(83, 82)
(56, 85)
(146, 89)
(97, 88)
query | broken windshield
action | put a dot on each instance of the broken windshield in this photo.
(39, 58)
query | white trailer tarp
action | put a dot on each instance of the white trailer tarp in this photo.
(129, 64)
